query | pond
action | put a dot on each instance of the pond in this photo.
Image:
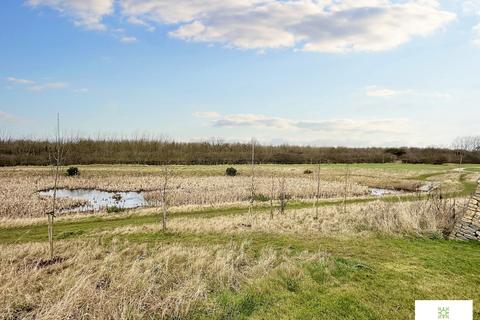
(382, 192)
(97, 199)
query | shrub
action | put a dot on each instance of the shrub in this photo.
(114, 209)
(73, 171)
(231, 172)
(398, 152)
(308, 171)
(261, 197)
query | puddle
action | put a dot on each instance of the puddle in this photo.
(98, 200)
(382, 192)
(427, 187)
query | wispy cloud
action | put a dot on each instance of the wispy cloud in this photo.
(85, 13)
(476, 30)
(32, 85)
(81, 90)
(381, 92)
(472, 7)
(374, 91)
(207, 115)
(48, 86)
(19, 81)
(338, 125)
(10, 118)
(128, 39)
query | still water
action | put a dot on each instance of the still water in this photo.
(97, 199)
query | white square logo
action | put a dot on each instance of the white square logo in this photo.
(444, 310)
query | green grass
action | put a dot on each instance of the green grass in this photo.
(368, 277)
(365, 278)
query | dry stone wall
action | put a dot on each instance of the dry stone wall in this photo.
(468, 227)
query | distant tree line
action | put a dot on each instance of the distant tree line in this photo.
(157, 152)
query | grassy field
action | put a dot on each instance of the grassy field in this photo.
(366, 258)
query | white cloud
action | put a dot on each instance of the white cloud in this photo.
(19, 81)
(380, 92)
(374, 91)
(327, 132)
(324, 26)
(344, 126)
(206, 115)
(85, 13)
(48, 86)
(310, 25)
(35, 86)
(128, 39)
(81, 90)
(476, 30)
(471, 6)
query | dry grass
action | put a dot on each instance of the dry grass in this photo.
(108, 273)
(19, 186)
(123, 281)
(19, 197)
(434, 216)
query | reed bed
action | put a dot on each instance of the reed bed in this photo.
(19, 186)
(19, 196)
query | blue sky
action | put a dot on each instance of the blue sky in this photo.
(351, 73)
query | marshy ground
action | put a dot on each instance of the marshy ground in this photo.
(362, 257)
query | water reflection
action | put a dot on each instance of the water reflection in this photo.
(97, 199)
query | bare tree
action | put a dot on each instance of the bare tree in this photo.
(252, 195)
(345, 190)
(56, 156)
(272, 196)
(166, 178)
(317, 194)
(283, 195)
(466, 144)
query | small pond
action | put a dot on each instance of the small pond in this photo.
(97, 199)
(383, 192)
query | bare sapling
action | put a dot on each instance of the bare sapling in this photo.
(166, 179)
(345, 189)
(56, 158)
(317, 194)
(272, 196)
(252, 195)
(283, 196)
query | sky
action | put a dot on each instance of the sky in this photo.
(309, 72)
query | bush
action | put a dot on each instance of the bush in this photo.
(308, 171)
(398, 152)
(73, 171)
(114, 209)
(261, 198)
(231, 172)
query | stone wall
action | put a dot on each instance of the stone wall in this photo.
(468, 227)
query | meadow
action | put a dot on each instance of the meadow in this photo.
(346, 255)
